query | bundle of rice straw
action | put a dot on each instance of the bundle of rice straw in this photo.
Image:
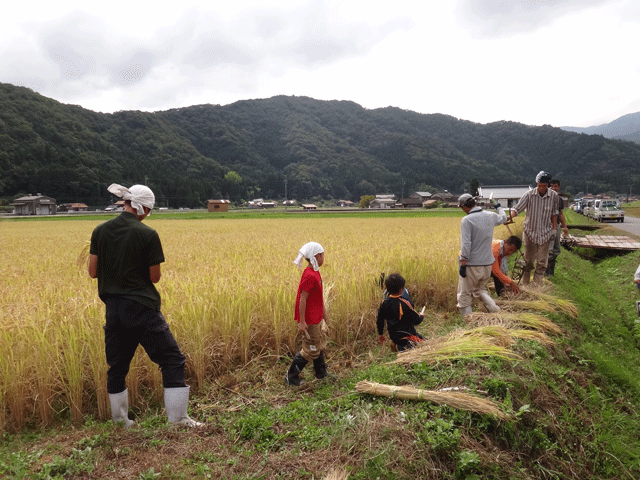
(538, 298)
(459, 400)
(504, 336)
(448, 349)
(513, 320)
(337, 474)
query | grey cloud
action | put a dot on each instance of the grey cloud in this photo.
(216, 51)
(495, 18)
(316, 37)
(133, 69)
(73, 64)
(81, 56)
(308, 36)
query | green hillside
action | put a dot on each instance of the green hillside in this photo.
(301, 146)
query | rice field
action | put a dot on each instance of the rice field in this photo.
(228, 291)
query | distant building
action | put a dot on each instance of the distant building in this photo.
(344, 203)
(34, 205)
(218, 205)
(506, 195)
(423, 196)
(411, 202)
(446, 198)
(384, 201)
(309, 206)
(72, 207)
(261, 203)
(256, 203)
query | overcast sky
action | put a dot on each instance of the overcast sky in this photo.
(562, 62)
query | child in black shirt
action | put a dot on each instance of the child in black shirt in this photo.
(399, 315)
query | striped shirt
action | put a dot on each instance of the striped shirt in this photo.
(537, 225)
(476, 235)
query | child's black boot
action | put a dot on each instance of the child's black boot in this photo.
(293, 374)
(320, 367)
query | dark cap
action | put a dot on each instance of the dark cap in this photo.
(464, 199)
(543, 177)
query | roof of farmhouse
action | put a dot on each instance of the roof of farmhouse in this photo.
(503, 191)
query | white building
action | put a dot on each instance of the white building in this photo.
(506, 195)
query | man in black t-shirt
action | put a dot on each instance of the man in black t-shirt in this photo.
(125, 256)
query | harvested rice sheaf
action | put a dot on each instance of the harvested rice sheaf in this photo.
(538, 298)
(459, 400)
(459, 348)
(501, 335)
(514, 320)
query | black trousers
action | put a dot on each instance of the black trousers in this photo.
(129, 324)
(498, 284)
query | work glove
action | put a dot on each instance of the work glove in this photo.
(463, 271)
(496, 205)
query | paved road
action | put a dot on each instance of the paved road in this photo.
(630, 225)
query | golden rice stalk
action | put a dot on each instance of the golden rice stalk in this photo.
(525, 305)
(497, 334)
(459, 400)
(337, 474)
(83, 257)
(541, 294)
(501, 335)
(513, 320)
(448, 349)
(562, 305)
(532, 335)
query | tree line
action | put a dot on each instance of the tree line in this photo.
(289, 146)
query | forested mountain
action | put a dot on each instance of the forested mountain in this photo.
(626, 127)
(327, 149)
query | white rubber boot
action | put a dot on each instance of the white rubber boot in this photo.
(120, 407)
(465, 311)
(176, 401)
(489, 302)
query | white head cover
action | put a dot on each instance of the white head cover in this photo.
(309, 251)
(139, 195)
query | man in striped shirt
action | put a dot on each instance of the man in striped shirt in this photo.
(541, 206)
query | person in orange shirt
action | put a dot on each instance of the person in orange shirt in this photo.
(501, 250)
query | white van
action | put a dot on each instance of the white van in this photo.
(604, 210)
(587, 208)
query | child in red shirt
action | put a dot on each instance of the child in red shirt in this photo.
(309, 313)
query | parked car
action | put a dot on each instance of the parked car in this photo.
(577, 206)
(604, 210)
(587, 208)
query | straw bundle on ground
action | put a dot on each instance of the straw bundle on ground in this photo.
(337, 474)
(526, 305)
(538, 298)
(514, 320)
(496, 334)
(501, 335)
(459, 400)
(448, 349)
